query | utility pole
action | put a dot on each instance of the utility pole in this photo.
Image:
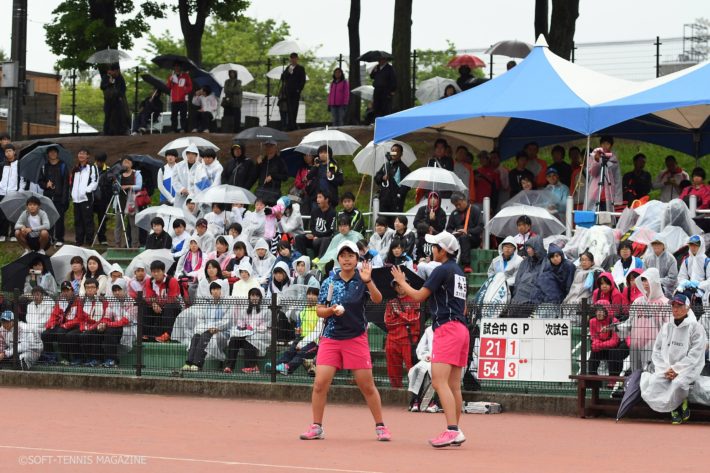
(19, 57)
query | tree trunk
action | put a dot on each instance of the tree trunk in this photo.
(192, 32)
(541, 14)
(353, 114)
(402, 50)
(104, 10)
(562, 26)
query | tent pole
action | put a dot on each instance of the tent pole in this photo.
(372, 181)
(586, 174)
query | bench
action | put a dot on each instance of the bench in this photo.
(596, 406)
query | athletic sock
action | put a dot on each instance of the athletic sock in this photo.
(453, 427)
(379, 424)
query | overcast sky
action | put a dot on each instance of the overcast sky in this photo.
(321, 25)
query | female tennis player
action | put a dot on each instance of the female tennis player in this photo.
(344, 344)
(446, 291)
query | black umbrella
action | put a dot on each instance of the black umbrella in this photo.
(374, 56)
(167, 61)
(149, 167)
(25, 151)
(294, 159)
(33, 161)
(632, 394)
(202, 78)
(262, 133)
(156, 82)
(382, 277)
(13, 274)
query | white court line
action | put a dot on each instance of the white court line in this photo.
(195, 460)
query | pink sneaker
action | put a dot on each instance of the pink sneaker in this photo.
(448, 438)
(314, 432)
(383, 433)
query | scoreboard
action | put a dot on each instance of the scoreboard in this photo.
(525, 350)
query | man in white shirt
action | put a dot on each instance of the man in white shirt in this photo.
(10, 182)
(84, 180)
(32, 228)
(208, 105)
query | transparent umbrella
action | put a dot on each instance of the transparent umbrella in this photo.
(61, 260)
(432, 89)
(371, 158)
(341, 143)
(148, 256)
(284, 47)
(108, 56)
(276, 72)
(16, 202)
(365, 92)
(181, 143)
(168, 213)
(221, 73)
(226, 194)
(438, 179)
(543, 223)
(510, 48)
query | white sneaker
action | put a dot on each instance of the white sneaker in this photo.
(195, 130)
(41, 252)
(25, 252)
(13, 239)
(432, 409)
(59, 243)
(135, 133)
(460, 438)
(2, 238)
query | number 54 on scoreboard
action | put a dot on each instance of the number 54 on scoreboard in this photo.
(525, 350)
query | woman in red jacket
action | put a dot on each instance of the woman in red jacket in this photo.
(604, 340)
(606, 290)
(402, 321)
(698, 188)
(338, 97)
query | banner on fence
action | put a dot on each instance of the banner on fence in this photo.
(525, 350)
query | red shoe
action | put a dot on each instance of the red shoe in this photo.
(467, 269)
(228, 370)
(252, 370)
(163, 338)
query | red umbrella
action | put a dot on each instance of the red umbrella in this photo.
(466, 60)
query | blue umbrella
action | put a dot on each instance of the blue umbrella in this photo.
(294, 159)
(632, 394)
(202, 78)
(31, 164)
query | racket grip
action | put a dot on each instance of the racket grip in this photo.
(329, 300)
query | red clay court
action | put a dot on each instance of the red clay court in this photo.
(47, 430)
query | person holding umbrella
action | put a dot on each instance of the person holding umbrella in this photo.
(384, 81)
(240, 171)
(232, 103)
(116, 116)
(54, 182)
(40, 277)
(10, 181)
(293, 79)
(272, 172)
(32, 228)
(180, 86)
(392, 195)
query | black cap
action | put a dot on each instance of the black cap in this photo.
(66, 285)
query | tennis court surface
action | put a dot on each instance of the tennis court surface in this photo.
(81, 431)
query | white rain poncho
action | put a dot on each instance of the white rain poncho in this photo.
(420, 370)
(29, 344)
(666, 265)
(676, 213)
(647, 315)
(695, 268)
(193, 178)
(650, 215)
(598, 240)
(510, 267)
(682, 348)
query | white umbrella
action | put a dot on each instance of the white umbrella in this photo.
(61, 260)
(284, 47)
(108, 56)
(167, 212)
(226, 194)
(341, 143)
(221, 73)
(371, 158)
(276, 72)
(438, 179)
(432, 89)
(543, 223)
(181, 143)
(148, 256)
(365, 92)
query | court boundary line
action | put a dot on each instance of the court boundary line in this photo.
(188, 460)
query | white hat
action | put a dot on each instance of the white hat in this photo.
(445, 240)
(261, 244)
(349, 245)
(244, 265)
(120, 282)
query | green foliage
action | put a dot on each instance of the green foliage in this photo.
(90, 103)
(230, 10)
(74, 34)
(3, 56)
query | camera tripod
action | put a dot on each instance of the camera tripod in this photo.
(114, 208)
(603, 182)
